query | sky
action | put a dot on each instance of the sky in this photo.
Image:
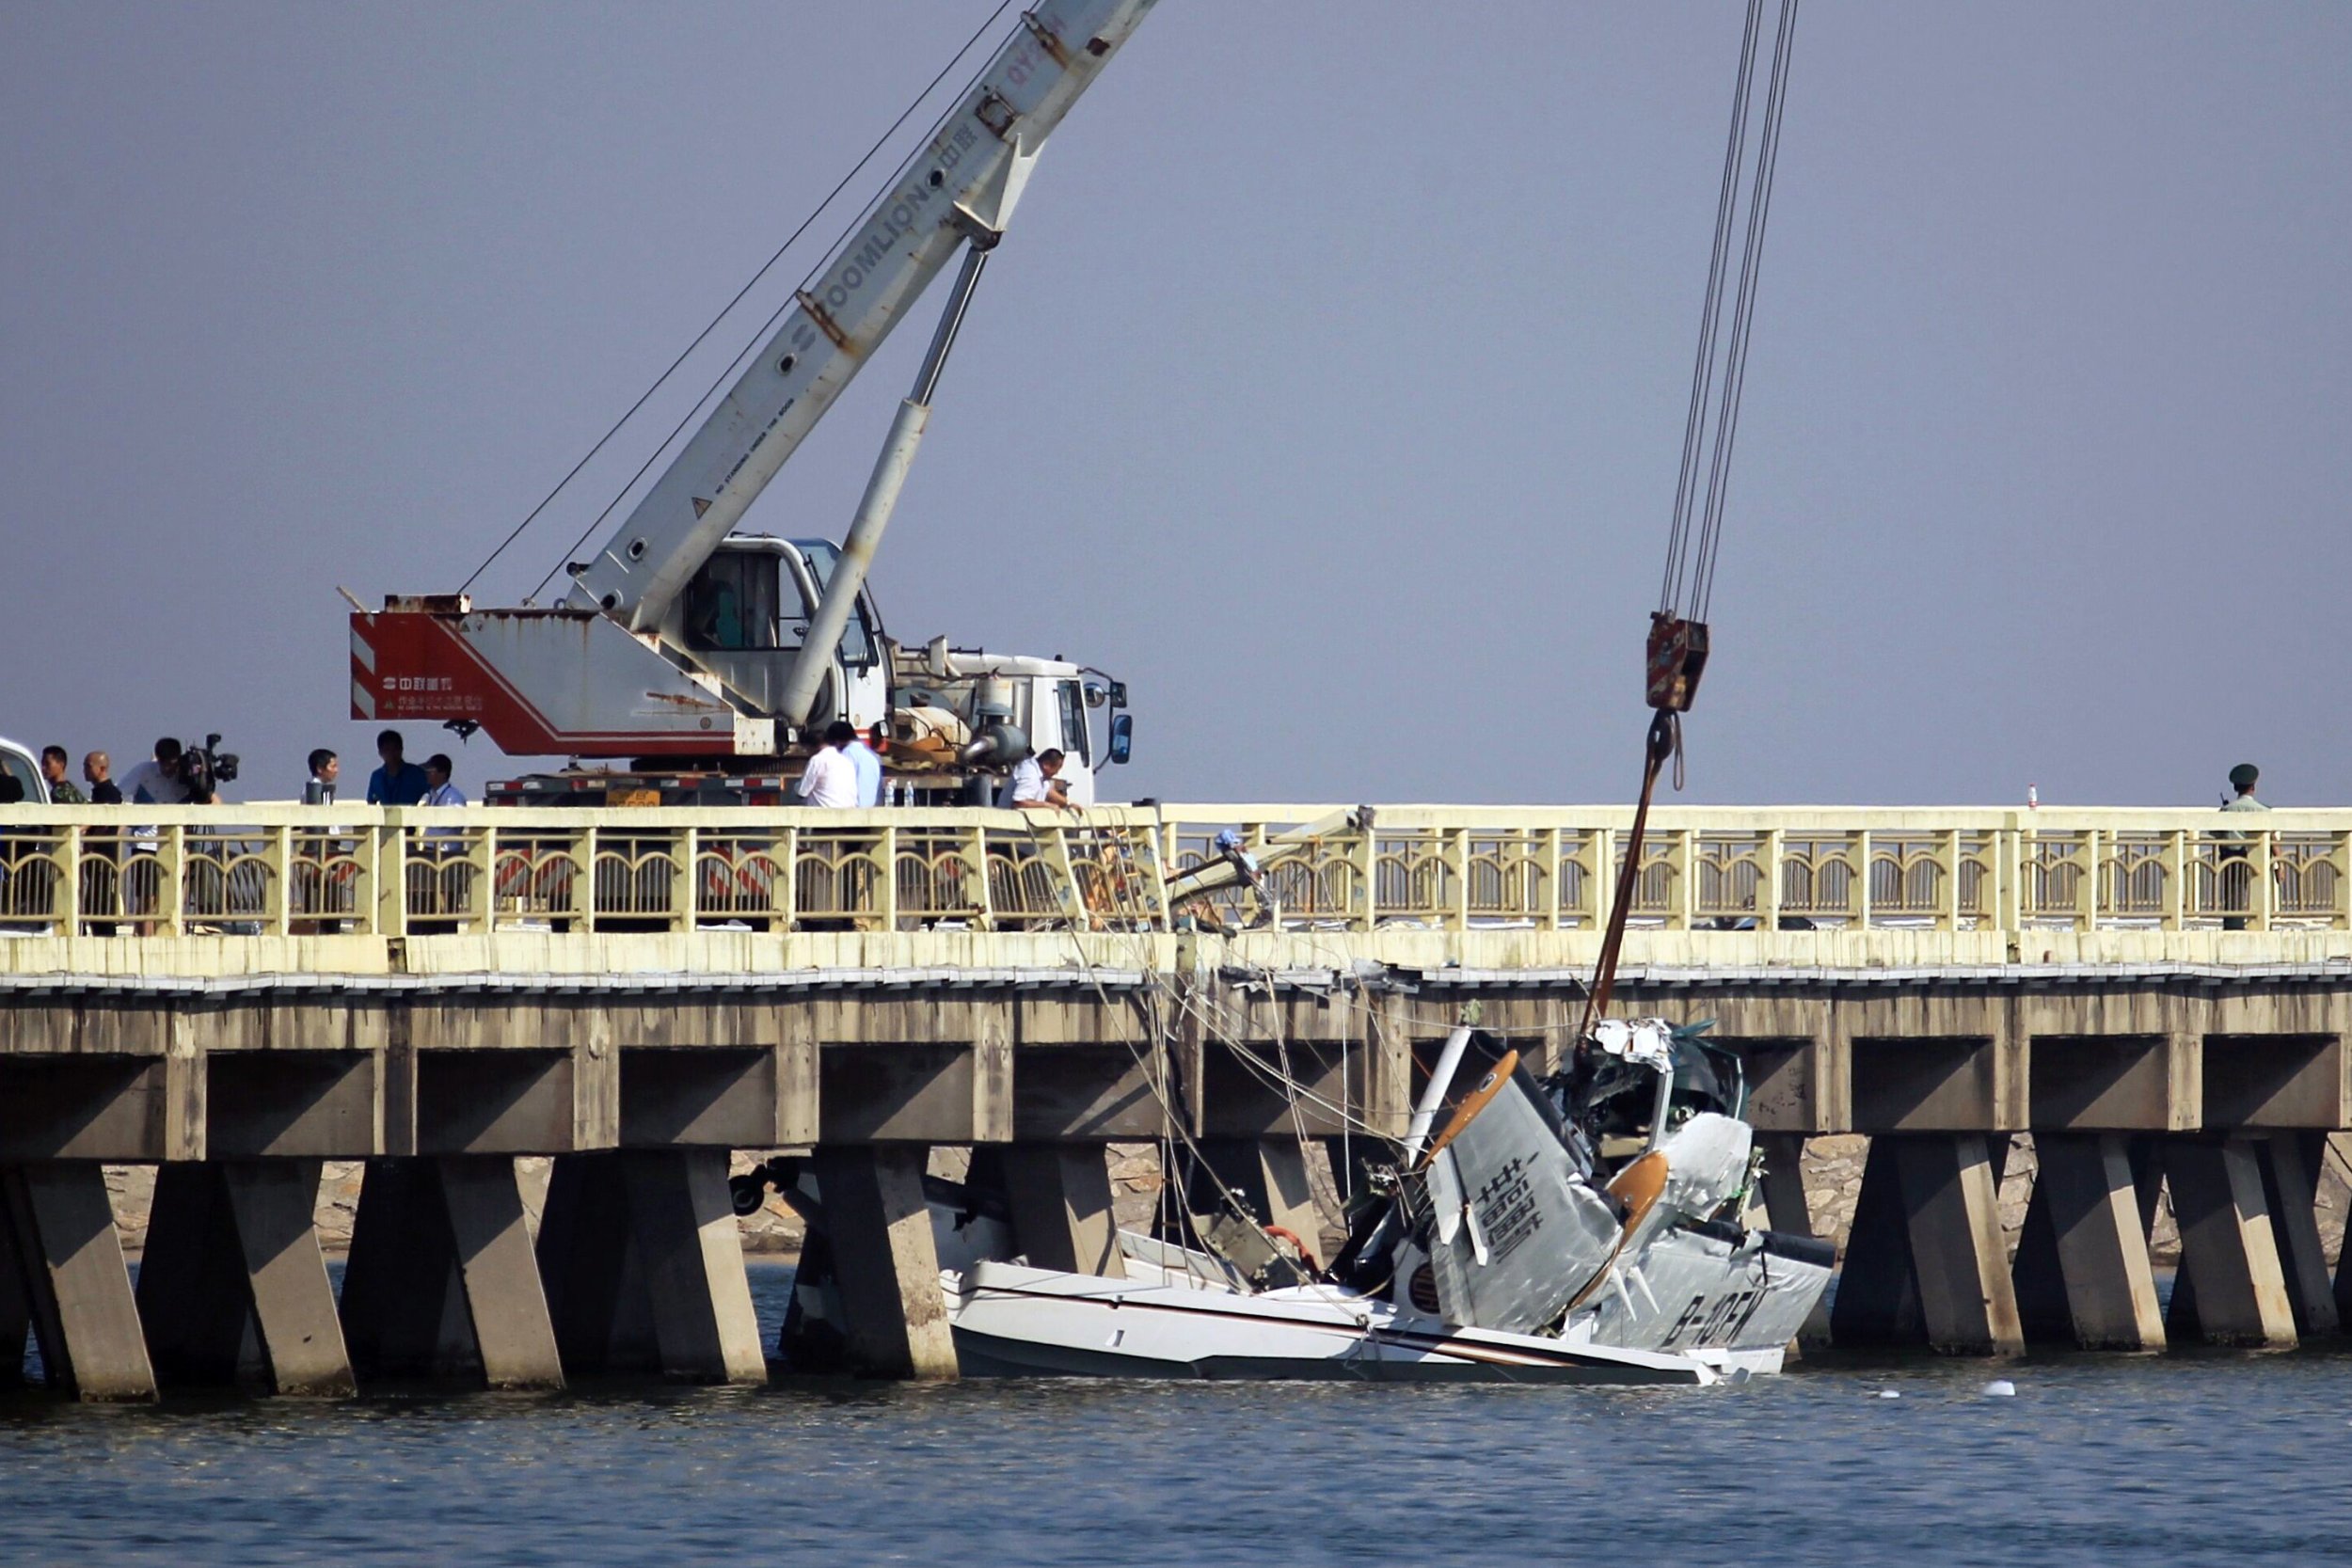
(1328, 388)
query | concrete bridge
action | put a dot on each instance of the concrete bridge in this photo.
(238, 993)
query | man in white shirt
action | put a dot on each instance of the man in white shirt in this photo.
(1035, 786)
(830, 778)
(159, 782)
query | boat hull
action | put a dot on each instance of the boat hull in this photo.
(1011, 1321)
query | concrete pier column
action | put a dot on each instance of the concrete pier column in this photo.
(1271, 1173)
(273, 1206)
(72, 1282)
(2082, 1276)
(2231, 1290)
(886, 1262)
(1786, 1208)
(1878, 1292)
(441, 1280)
(1959, 1255)
(2338, 1147)
(403, 1309)
(2290, 1168)
(233, 1286)
(505, 1304)
(192, 1297)
(595, 1284)
(683, 1229)
(16, 1308)
(1060, 1196)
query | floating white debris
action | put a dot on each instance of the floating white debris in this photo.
(2000, 1388)
(1889, 1394)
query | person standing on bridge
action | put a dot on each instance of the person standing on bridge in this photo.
(63, 791)
(830, 778)
(869, 764)
(1037, 785)
(399, 781)
(2236, 878)
(319, 788)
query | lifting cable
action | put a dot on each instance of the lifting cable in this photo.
(1678, 635)
(765, 267)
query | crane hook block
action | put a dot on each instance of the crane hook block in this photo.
(1677, 654)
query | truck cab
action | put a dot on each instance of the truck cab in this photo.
(746, 610)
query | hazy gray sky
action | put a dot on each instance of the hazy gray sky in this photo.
(1328, 388)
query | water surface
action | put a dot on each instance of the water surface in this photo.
(2186, 1459)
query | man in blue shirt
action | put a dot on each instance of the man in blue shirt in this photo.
(399, 781)
(869, 769)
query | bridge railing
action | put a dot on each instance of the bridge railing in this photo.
(288, 869)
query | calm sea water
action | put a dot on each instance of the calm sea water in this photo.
(2190, 1459)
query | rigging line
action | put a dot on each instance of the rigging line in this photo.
(1710, 312)
(1743, 310)
(830, 196)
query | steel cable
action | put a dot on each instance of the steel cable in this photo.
(724, 311)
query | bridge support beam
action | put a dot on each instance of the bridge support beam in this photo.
(2083, 1276)
(234, 1287)
(1788, 1208)
(1060, 1196)
(886, 1260)
(1959, 1256)
(1271, 1173)
(596, 1285)
(1925, 1260)
(2290, 1169)
(2232, 1290)
(683, 1227)
(1878, 1292)
(71, 1281)
(442, 1281)
(643, 1267)
(2338, 1147)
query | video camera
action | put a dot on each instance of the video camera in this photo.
(204, 768)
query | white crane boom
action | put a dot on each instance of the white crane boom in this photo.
(961, 188)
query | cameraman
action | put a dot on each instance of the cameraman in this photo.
(160, 781)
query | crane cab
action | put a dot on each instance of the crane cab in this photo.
(744, 614)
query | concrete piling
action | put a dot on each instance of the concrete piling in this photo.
(2290, 1164)
(682, 1227)
(1960, 1258)
(886, 1260)
(1878, 1295)
(233, 1285)
(594, 1280)
(2082, 1275)
(1060, 1196)
(2232, 1290)
(643, 1268)
(1271, 1173)
(75, 1286)
(441, 1281)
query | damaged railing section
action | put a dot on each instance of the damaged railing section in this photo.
(1777, 868)
(296, 870)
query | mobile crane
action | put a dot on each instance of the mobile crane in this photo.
(706, 656)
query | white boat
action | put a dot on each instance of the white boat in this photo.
(1584, 1228)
